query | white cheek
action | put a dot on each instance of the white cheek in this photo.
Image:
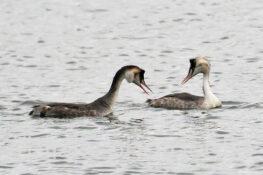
(197, 70)
(129, 76)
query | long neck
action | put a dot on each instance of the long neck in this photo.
(206, 87)
(112, 94)
(209, 98)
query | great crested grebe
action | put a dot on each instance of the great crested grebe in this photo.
(100, 107)
(188, 101)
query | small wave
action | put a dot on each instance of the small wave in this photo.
(258, 154)
(253, 106)
(5, 167)
(85, 127)
(233, 104)
(184, 174)
(222, 132)
(39, 135)
(2, 108)
(31, 102)
(163, 135)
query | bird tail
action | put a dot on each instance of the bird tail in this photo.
(31, 112)
(149, 101)
(39, 111)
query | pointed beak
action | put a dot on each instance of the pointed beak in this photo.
(145, 85)
(140, 85)
(139, 81)
(191, 70)
(188, 77)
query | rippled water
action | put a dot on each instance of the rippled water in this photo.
(68, 51)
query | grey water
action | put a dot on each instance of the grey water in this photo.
(69, 51)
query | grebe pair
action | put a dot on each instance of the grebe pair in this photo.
(133, 74)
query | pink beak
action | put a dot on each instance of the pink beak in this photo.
(143, 89)
(142, 85)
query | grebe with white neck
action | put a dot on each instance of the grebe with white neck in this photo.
(100, 107)
(189, 101)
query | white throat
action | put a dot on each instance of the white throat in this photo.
(210, 100)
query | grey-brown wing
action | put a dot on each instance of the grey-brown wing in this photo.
(61, 110)
(185, 96)
(177, 101)
(69, 105)
(66, 110)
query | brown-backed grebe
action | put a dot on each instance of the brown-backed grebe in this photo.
(188, 101)
(100, 107)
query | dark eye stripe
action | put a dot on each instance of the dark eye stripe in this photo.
(142, 75)
(192, 65)
(193, 62)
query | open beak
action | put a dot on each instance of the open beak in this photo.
(140, 85)
(143, 86)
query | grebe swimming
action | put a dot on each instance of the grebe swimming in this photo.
(188, 101)
(100, 107)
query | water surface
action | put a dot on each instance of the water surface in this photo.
(68, 51)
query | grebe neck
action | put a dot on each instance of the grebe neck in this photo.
(210, 100)
(112, 94)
